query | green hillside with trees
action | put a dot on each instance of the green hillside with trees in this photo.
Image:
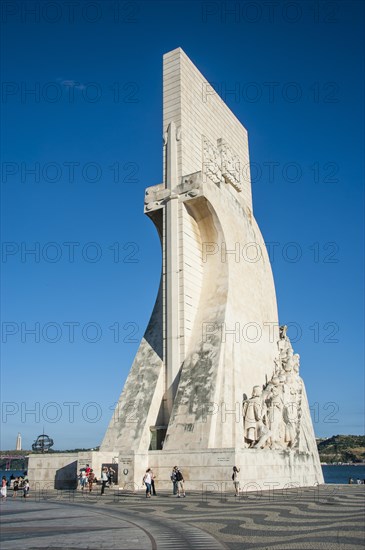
(342, 448)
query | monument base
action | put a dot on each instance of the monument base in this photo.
(210, 470)
(48, 471)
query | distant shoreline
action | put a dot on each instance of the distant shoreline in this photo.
(342, 463)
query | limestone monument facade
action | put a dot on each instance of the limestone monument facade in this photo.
(214, 331)
(215, 381)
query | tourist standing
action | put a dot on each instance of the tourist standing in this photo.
(90, 479)
(104, 479)
(147, 480)
(174, 480)
(83, 479)
(26, 488)
(153, 477)
(3, 489)
(236, 481)
(111, 476)
(180, 483)
(15, 487)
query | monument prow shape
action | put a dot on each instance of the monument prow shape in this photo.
(215, 382)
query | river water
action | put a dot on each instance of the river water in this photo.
(341, 474)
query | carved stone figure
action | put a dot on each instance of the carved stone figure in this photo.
(284, 345)
(252, 416)
(296, 363)
(275, 414)
(291, 409)
(264, 431)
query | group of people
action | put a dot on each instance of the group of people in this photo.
(18, 484)
(178, 481)
(176, 477)
(358, 481)
(87, 478)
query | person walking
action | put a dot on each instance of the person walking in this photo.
(3, 489)
(180, 483)
(236, 481)
(147, 480)
(104, 479)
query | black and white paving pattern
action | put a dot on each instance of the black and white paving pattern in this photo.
(329, 517)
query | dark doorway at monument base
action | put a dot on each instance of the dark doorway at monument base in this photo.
(158, 435)
(215, 382)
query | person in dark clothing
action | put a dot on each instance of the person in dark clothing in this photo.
(174, 480)
(180, 483)
(153, 477)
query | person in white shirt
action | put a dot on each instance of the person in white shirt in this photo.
(104, 479)
(83, 479)
(147, 480)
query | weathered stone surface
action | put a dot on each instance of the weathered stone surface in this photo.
(60, 470)
(210, 285)
(215, 322)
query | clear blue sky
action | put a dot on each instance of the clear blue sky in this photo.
(97, 76)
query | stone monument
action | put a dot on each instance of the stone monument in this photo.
(215, 381)
(214, 332)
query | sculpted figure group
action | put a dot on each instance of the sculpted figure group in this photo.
(271, 417)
